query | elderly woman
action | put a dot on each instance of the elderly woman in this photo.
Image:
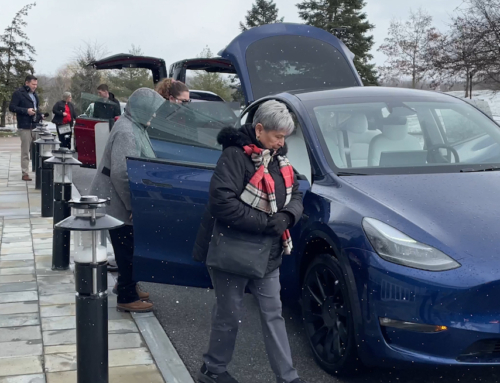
(64, 118)
(127, 138)
(254, 198)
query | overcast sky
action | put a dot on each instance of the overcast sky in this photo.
(172, 30)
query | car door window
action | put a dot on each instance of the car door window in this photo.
(189, 132)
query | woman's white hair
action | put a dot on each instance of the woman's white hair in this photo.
(274, 115)
(66, 95)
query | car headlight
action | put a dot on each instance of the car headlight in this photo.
(396, 247)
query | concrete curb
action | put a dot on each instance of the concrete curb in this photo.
(166, 357)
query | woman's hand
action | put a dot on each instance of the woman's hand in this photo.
(277, 224)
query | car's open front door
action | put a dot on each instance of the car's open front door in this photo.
(125, 60)
(169, 193)
(168, 200)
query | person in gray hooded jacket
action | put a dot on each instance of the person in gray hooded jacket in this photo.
(127, 138)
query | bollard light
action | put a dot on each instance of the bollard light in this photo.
(35, 156)
(91, 286)
(63, 163)
(47, 142)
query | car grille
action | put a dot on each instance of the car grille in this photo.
(483, 351)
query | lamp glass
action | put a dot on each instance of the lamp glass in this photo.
(63, 173)
(83, 246)
(46, 149)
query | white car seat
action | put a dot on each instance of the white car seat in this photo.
(297, 153)
(355, 138)
(394, 138)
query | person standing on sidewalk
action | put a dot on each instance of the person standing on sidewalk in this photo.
(64, 117)
(111, 181)
(254, 200)
(25, 105)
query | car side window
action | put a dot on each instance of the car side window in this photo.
(189, 132)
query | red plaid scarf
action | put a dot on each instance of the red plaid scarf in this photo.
(260, 193)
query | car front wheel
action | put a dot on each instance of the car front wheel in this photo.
(327, 316)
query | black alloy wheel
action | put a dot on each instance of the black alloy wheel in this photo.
(327, 316)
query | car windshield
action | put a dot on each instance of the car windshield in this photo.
(386, 135)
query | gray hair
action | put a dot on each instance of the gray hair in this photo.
(274, 115)
(66, 95)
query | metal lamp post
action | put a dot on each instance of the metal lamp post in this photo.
(62, 163)
(47, 142)
(91, 286)
(35, 155)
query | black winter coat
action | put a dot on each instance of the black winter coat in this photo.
(233, 172)
(20, 103)
(58, 110)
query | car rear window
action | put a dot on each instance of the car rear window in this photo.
(285, 63)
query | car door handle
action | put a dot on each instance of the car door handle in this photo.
(159, 184)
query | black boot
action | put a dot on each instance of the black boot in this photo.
(205, 376)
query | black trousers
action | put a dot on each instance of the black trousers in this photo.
(122, 240)
(64, 138)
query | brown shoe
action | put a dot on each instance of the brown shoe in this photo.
(142, 294)
(26, 177)
(135, 307)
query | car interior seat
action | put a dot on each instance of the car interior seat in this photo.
(297, 153)
(394, 138)
(355, 139)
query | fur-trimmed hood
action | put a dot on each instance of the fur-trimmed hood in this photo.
(245, 135)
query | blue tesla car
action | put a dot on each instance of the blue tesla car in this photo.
(396, 257)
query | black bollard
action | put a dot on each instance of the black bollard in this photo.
(91, 286)
(46, 143)
(62, 162)
(92, 322)
(47, 189)
(35, 159)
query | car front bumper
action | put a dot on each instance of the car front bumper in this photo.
(456, 299)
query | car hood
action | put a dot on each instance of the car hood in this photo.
(458, 213)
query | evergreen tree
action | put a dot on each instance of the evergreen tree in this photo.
(263, 12)
(332, 14)
(212, 82)
(125, 81)
(16, 59)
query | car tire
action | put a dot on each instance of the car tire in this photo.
(327, 316)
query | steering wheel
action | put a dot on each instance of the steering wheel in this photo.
(433, 153)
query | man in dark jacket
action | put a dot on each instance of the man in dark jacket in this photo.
(25, 105)
(64, 117)
(108, 107)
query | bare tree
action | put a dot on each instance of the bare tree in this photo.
(407, 47)
(457, 53)
(85, 79)
(484, 16)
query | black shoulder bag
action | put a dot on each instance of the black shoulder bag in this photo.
(238, 252)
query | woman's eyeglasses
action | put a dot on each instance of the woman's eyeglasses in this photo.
(183, 102)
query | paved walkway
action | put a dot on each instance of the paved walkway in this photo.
(37, 304)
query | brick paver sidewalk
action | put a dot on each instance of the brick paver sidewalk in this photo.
(37, 305)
